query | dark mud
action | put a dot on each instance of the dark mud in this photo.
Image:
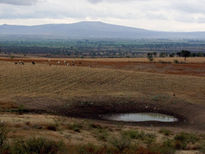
(188, 115)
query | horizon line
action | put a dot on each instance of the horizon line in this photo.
(102, 23)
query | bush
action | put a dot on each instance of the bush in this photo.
(89, 148)
(93, 149)
(121, 143)
(146, 137)
(102, 134)
(176, 61)
(182, 139)
(75, 127)
(202, 147)
(52, 127)
(95, 126)
(166, 148)
(165, 132)
(3, 134)
(37, 146)
(3, 138)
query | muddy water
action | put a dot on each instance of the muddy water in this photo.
(140, 117)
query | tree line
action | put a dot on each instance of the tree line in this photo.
(182, 53)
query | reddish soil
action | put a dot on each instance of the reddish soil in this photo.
(194, 69)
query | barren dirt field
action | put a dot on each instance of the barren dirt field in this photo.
(63, 98)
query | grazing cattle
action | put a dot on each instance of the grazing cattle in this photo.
(15, 63)
(33, 62)
(58, 62)
(21, 62)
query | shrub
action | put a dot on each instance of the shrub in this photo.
(186, 137)
(75, 127)
(176, 61)
(120, 143)
(89, 148)
(146, 137)
(3, 134)
(3, 138)
(37, 146)
(95, 126)
(93, 149)
(52, 127)
(102, 134)
(166, 148)
(182, 139)
(165, 132)
(133, 134)
(202, 147)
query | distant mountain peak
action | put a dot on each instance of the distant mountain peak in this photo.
(94, 30)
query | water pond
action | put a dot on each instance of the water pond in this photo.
(140, 117)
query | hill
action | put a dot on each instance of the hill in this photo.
(93, 30)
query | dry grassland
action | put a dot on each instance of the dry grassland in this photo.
(166, 59)
(65, 82)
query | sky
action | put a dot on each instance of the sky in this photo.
(162, 15)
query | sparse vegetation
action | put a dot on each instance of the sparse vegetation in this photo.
(145, 137)
(3, 137)
(165, 148)
(182, 139)
(165, 132)
(37, 146)
(121, 142)
(75, 127)
(102, 134)
(202, 147)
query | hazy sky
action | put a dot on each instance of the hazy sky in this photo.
(167, 15)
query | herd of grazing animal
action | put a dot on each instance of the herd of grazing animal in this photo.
(62, 63)
(22, 63)
(65, 63)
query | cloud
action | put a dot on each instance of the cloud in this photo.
(95, 1)
(172, 15)
(19, 2)
(112, 1)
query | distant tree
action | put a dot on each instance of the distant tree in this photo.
(150, 56)
(184, 53)
(155, 54)
(162, 54)
(171, 54)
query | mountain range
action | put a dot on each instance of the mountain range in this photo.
(93, 30)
